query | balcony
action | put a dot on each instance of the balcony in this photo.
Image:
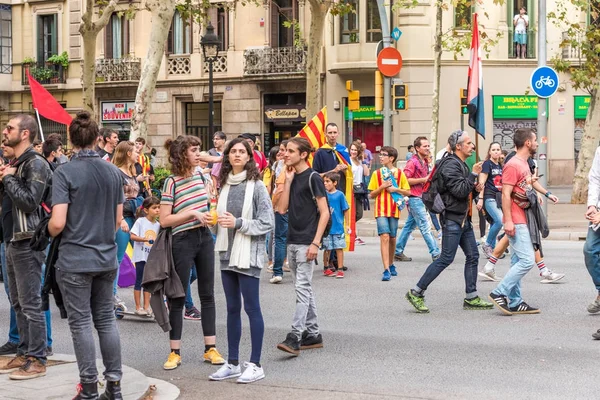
(280, 60)
(531, 45)
(179, 64)
(46, 74)
(569, 52)
(219, 65)
(118, 69)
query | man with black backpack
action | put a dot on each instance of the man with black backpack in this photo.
(455, 185)
(305, 200)
(26, 181)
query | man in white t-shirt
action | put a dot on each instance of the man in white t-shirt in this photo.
(521, 23)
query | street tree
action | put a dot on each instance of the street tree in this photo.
(582, 40)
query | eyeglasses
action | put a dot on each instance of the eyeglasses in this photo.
(384, 155)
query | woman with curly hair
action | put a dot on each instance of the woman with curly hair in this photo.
(184, 208)
(245, 217)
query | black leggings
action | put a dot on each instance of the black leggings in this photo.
(194, 248)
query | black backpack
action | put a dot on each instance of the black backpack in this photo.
(328, 227)
(431, 190)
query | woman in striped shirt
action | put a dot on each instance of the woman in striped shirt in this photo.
(185, 209)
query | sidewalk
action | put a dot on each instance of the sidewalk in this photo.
(566, 220)
(62, 378)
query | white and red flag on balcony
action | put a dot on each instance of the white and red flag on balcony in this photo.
(46, 104)
(475, 84)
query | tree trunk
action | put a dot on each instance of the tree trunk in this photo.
(437, 73)
(589, 143)
(162, 12)
(314, 89)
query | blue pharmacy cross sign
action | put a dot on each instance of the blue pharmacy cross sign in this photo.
(396, 33)
(544, 82)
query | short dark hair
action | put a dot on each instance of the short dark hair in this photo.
(521, 136)
(419, 141)
(410, 147)
(392, 152)
(107, 133)
(332, 176)
(330, 124)
(83, 130)
(27, 122)
(302, 144)
(220, 135)
(140, 140)
(36, 142)
(51, 144)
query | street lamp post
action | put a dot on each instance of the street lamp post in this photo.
(210, 49)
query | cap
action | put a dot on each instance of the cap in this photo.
(248, 136)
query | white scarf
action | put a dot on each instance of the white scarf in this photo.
(242, 244)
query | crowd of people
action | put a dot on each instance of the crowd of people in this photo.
(233, 205)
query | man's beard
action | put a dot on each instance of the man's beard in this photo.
(12, 143)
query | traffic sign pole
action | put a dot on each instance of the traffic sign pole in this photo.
(387, 90)
(542, 117)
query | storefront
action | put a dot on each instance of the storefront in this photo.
(511, 113)
(282, 122)
(581, 105)
(367, 125)
(117, 115)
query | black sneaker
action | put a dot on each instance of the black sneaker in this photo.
(501, 302)
(290, 345)
(596, 335)
(311, 342)
(8, 348)
(524, 308)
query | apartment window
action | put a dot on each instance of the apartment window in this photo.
(349, 24)
(116, 43)
(373, 22)
(521, 34)
(47, 36)
(463, 12)
(282, 11)
(5, 39)
(180, 35)
(223, 28)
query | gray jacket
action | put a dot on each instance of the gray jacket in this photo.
(536, 221)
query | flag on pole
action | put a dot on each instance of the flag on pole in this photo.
(46, 104)
(475, 84)
(314, 131)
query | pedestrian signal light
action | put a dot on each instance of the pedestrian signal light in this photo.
(400, 97)
(463, 102)
(378, 91)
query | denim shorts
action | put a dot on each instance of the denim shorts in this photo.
(334, 242)
(521, 38)
(387, 225)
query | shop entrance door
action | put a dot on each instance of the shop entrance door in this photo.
(370, 133)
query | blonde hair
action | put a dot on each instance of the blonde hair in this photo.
(121, 156)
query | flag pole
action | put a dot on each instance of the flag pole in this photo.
(39, 123)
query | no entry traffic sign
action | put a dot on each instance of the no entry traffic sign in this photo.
(389, 61)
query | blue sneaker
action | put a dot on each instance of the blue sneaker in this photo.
(393, 271)
(386, 276)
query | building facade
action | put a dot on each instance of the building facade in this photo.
(259, 74)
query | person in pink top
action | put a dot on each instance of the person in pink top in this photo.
(259, 158)
(417, 172)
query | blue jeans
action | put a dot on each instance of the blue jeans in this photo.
(237, 286)
(491, 207)
(417, 217)
(281, 228)
(591, 254)
(122, 239)
(453, 235)
(189, 302)
(523, 259)
(436, 222)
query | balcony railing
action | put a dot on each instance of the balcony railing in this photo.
(531, 45)
(179, 64)
(118, 69)
(46, 74)
(219, 65)
(279, 60)
(569, 52)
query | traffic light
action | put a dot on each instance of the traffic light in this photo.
(378, 91)
(463, 102)
(400, 97)
(353, 97)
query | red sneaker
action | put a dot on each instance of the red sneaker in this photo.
(329, 272)
(340, 274)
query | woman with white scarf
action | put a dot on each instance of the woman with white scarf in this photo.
(245, 216)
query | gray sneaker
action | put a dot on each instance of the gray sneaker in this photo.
(594, 307)
(489, 275)
(401, 257)
(551, 277)
(487, 250)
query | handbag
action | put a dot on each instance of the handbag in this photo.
(359, 189)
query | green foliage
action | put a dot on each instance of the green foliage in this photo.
(298, 37)
(160, 174)
(341, 8)
(42, 73)
(62, 59)
(29, 60)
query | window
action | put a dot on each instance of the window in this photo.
(223, 28)
(349, 24)
(116, 44)
(521, 32)
(5, 39)
(196, 121)
(373, 22)
(282, 11)
(463, 12)
(47, 37)
(180, 36)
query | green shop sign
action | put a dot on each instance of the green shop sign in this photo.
(515, 107)
(582, 103)
(364, 113)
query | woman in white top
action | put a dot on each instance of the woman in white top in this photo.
(360, 169)
(521, 23)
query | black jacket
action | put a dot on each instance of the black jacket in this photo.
(27, 188)
(457, 184)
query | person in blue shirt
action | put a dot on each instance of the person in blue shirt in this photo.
(336, 240)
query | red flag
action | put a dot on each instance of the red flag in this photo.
(46, 104)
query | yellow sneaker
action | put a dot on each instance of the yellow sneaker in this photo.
(212, 356)
(173, 361)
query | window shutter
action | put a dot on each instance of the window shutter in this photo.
(125, 24)
(190, 41)
(40, 39)
(53, 35)
(170, 46)
(274, 24)
(108, 39)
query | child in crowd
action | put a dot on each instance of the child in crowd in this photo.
(143, 233)
(386, 211)
(336, 240)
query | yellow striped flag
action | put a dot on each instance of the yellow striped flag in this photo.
(314, 131)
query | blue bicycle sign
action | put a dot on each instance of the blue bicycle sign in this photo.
(544, 82)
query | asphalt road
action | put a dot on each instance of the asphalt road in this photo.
(376, 347)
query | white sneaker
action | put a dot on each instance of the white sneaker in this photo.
(252, 373)
(489, 275)
(225, 372)
(411, 237)
(551, 277)
(276, 279)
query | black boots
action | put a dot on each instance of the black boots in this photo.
(88, 391)
(112, 392)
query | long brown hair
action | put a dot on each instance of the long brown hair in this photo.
(177, 149)
(487, 157)
(252, 173)
(121, 156)
(359, 149)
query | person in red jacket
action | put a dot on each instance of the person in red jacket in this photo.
(259, 158)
